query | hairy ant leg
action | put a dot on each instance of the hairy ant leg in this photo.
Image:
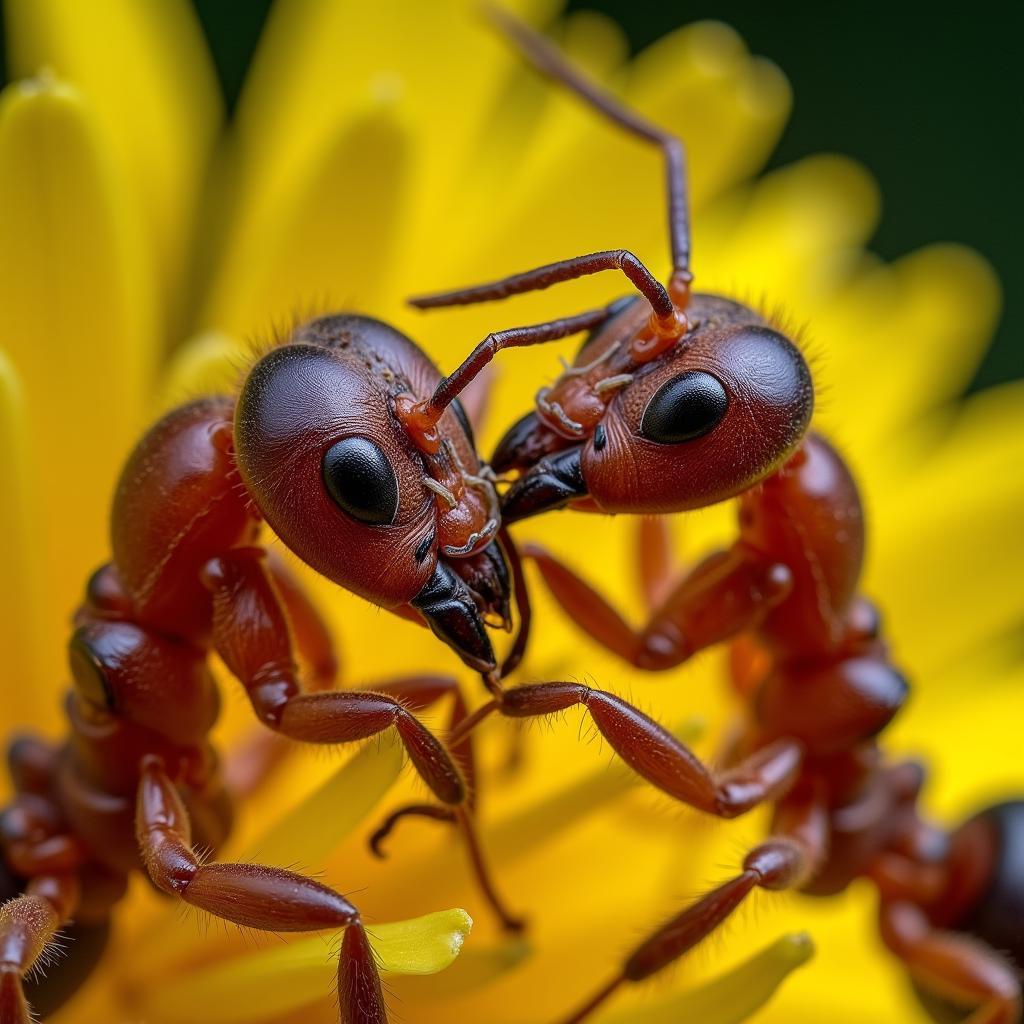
(261, 753)
(309, 631)
(417, 693)
(30, 762)
(728, 593)
(251, 635)
(28, 923)
(785, 860)
(654, 559)
(955, 967)
(252, 895)
(653, 752)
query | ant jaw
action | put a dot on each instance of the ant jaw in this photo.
(448, 608)
(552, 483)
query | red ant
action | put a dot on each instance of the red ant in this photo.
(314, 445)
(678, 401)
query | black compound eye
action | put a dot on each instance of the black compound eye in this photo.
(686, 407)
(361, 480)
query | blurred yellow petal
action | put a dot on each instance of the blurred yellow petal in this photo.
(274, 981)
(477, 966)
(909, 334)
(20, 597)
(949, 553)
(791, 239)
(732, 997)
(604, 189)
(329, 244)
(526, 830)
(308, 833)
(439, 58)
(76, 322)
(146, 73)
(211, 363)
(729, 137)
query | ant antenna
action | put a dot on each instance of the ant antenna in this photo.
(549, 60)
(668, 321)
(422, 417)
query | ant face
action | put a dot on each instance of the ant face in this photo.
(708, 419)
(335, 474)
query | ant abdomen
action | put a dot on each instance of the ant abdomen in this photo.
(987, 860)
(992, 842)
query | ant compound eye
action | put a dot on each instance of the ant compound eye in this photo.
(684, 408)
(361, 481)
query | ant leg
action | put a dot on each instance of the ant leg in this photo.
(653, 752)
(954, 967)
(252, 895)
(786, 860)
(251, 635)
(728, 593)
(417, 693)
(654, 560)
(28, 923)
(259, 755)
(312, 637)
(30, 762)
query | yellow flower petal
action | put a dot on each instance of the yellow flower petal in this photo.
(76, 321)
(330, 244)
(308, 833)
(948, 553)
(211, 363)
(791, 239)
(273, 981)
(350, 52)
(527, 830)
(735, 995)
(423, 945)
(909, 334)
(147, 75)
(20, 597)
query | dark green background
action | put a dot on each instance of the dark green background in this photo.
(930, 102)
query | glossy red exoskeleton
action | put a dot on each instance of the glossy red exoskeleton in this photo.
(314, 444)
(677, 401)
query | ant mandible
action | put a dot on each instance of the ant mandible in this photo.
(678, 401)
(314, 445)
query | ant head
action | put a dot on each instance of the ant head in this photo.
(332, 469)
(706, 420)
